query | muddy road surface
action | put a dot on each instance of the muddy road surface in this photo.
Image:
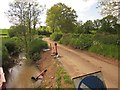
(79, 63)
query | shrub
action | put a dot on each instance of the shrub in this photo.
(36, 56)
(46, 33)
(4, 59)
(4, 53)
(11, 46)
(85, 41)
(107, 38)
(12, 32)
(106, 50)
(56, 36)
(18, 43)
(65, 39)
(36, 47)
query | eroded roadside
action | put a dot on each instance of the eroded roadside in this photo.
(77, 63)
(56, 76)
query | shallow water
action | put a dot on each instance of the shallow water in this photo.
(20, 76)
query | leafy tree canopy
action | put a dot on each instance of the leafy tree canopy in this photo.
(110, 7)
(61, 18)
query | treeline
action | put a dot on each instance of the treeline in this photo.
(99, 36)
(22, 36)
(26, 16)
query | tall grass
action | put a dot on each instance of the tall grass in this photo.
(106, 50)
(107, 39)
(104, 44)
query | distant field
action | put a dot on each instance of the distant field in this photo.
(3, 32)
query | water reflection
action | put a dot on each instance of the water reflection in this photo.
(20, 76)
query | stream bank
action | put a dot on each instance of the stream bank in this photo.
(20, 74)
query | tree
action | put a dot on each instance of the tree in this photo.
(25, 14)
(108, 24)
(61, 18)
(79, 29)
(97, 24)
(87, 27)
(110, 7)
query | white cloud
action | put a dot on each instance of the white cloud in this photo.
(80, 6)
(4, 23)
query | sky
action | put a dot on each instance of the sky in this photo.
(85, 9)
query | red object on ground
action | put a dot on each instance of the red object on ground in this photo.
(42, 73)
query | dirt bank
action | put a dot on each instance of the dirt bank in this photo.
(80, 63)
(55, 76)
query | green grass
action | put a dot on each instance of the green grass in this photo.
(109, 50)
(67, 78)
(61, 74)
(5, 32)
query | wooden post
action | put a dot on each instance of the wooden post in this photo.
(56, 53)
(50, 46)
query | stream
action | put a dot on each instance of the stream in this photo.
(20, 75)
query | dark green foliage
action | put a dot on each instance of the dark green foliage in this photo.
(107, 39)
(82, 42)
(12, 33)
(4, 56)
(104, 44)
(65, 39)
(108, 24)
(36, 56)
(18, 43)
(36, 47)
(46, 33)
(4, 53)
(61, 18)
(11, 45)
(87, 27)
(56, 36)
(106, 50)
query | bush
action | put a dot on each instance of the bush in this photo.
(107, 39)
(18, 43)
(12, 32)
(4, 58)
(106, 50)
(83, 41)
(65, 39)
(36, 47)
(56, 36)
(4, 54)
(36, 56)
(11, 45)
(46, 33)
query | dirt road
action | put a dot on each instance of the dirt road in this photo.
(79, 63)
